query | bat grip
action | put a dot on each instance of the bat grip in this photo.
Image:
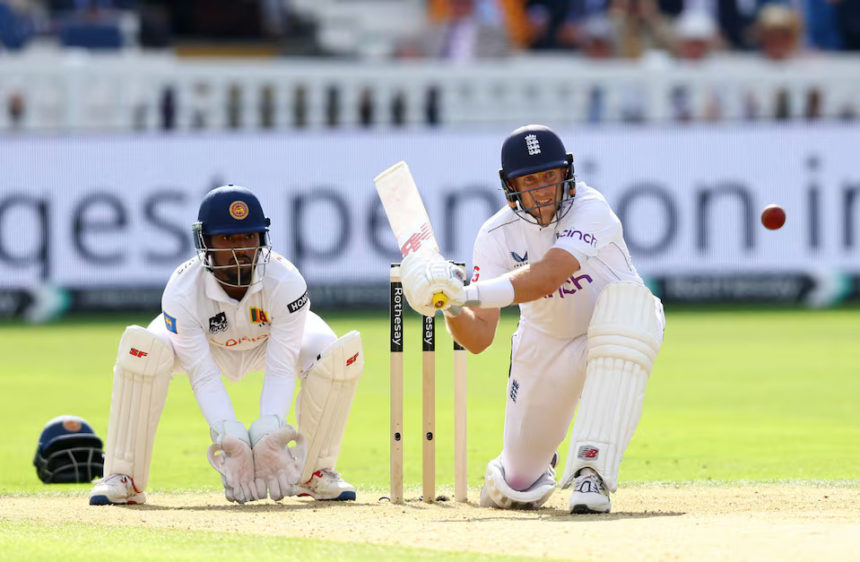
(439, 300)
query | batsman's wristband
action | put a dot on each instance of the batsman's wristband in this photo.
(493, 293)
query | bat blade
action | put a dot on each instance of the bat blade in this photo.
(405, 210)
(407, 215)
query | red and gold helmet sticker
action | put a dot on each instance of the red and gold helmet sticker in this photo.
(72, 425)
(238, 210)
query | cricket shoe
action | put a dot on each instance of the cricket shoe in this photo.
(116, 489)
(589, 493)
(327, 485)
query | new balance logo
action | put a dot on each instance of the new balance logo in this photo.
(137, 352)
(532, 145)
(413, 243)
(588, 453)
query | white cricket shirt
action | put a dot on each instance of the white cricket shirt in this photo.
(213, 334)
(590, 231)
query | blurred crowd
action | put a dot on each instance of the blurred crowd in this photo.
(460, 31)
(456, 29)
(687, 29)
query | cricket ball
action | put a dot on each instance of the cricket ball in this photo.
(773, 217)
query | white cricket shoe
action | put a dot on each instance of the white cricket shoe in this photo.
(327, 485)
(116, 489)
(589, 493)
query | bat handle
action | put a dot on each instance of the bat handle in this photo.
(439, 300)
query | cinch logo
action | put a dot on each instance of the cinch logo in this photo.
(258, 316)
(137, 352)
(413, 243)
(588, 238)
(532, 145)
(351, 360)
(588, 452)
(238, 210)
(576, 281)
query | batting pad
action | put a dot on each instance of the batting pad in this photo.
(325, 399)
(623, 339)
(140, 378)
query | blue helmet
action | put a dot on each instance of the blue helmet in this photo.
(529, 150)
(230, 209)
(68, 452)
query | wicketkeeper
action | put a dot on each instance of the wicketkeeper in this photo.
(588, 334)
(237, 307)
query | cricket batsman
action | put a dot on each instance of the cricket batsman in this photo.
(235, 308)
(588, 334)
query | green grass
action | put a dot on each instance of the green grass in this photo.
(736, 396)
(32, 541)
(739, 395)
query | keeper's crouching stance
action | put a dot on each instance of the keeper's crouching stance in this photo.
(588, 325)
(236, 308)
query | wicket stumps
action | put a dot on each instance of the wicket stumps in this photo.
(428, 393)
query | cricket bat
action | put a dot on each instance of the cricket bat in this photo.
(407, 215)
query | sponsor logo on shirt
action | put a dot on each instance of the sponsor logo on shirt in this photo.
(169, 322)
(586, 237)
(258, 316)
(573, 284)
(218, 323)
(297, 304)
(244, 339)
(476, 272)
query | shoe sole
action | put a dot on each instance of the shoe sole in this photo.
(343, 497)
(582, 508)
(104, 500)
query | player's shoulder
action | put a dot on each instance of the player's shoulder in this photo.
(589, 200)
(503, 218)
(183, 281)
(187, 272)
(587, 194)
(281, 270)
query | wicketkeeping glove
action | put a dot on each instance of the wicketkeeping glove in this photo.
(277, 466)
(235, 461)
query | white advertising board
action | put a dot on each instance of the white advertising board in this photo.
(116, 211)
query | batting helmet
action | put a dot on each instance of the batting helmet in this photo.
(69, 451)
(529, 150)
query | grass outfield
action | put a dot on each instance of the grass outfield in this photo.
(736, 396)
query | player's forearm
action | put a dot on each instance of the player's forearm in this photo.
(542, 277)
(472, 332)
(525, 284)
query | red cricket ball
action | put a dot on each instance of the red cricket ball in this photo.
(773, 217)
